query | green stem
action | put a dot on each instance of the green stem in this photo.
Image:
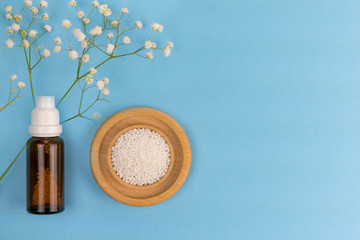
(36, 63)
(97, 99)
(107, 59)
(70, 118)
(12, 163)
(10, 101)
(32, 87)
(100, 49)
(10, 91)
(29, 70)
(67, 92)
(68, 38)
(80, 114)
(81, 99)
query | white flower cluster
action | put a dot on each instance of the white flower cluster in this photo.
(111, 29)
(168, 47)
(66, 23)
(25, 33)
(138, 24)
(100, 84)
(20, 85)
(73, 54)
(12, 98)
(57, 47)
(105, 10)
(79, 35)
(157, 27)
(96, 31)
(149, 44)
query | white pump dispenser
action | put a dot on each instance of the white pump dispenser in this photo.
(45, 118)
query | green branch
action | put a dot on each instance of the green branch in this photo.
(12, 163)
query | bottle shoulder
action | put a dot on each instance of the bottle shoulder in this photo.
(35, 140)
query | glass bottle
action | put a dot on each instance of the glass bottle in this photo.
(45, 160)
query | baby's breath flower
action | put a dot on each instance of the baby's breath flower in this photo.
(110, 36)
(170, 44)
(21, 85)
(124, 10)
(105, 80)
(89, 79)
(17, 17)
(114, 23)
(95, 4)
(157, 27)
(86, 20)
(100, 84)
(110, 48)
(126, 40)
(9, 43)
(9, 30)
(34, 10)
(72, 3)
(103, 9)
(96, 31)
(85, 58)
(78, 34)
(23, 33)
(57, 41)
(105, 91)
(57, 49)
(46, 53)
(28, 3)
(8, 9)
(73, 54)
(32, 33)
(149, 55)
(138, 24)
(8, 16)
(80, 14)
(26, 43)
(167, 51)
(92, 71)
(149, 44)
(43, 4)
(66, 23)
(47, 28)
(96, 116)
(15, 27)
(45, 16)
(84, 43)
(13, 77)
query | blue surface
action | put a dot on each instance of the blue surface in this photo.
(268, 93)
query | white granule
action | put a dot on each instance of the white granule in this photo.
(140, 156)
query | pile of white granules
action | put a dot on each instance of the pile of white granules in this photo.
(140, 156)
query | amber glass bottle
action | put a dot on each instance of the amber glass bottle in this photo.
(45, 170)
(45, 160)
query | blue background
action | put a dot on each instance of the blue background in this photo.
(268, 93)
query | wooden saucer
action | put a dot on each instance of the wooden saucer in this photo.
(123, 121)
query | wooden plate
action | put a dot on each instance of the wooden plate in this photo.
(123, 121)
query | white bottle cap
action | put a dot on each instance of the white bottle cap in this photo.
(45, 118)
